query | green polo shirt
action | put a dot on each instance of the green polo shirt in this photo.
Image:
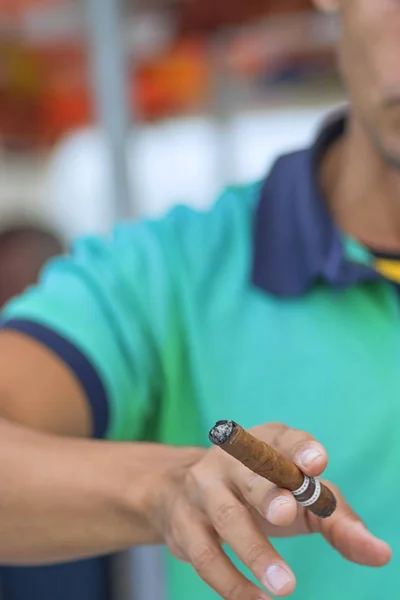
(257, 310)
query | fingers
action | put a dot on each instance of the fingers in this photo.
(215, 568)
(345, 531)
(199, 546)
(300, 447)
(277, 506)
(233, 523)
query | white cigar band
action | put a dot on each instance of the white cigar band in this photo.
(304, 488)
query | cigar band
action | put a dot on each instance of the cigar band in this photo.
(314, 497)
(303, 488)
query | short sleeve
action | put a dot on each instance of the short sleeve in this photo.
(105, 310)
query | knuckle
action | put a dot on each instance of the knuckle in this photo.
(195, 474)
(175, 529)
(278, 426)
(228, 513)
(256, 553)
(271, 428)
(279, 432)
(281, 436)
(203, 557)
(200, 476)
(193, 478)
(295, 441)
(179, 520)
(195, 485)
(176, 550)
(251, 482)
(238, 591)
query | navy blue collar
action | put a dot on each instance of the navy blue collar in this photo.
(295, 240)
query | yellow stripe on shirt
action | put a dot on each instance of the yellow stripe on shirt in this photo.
(389, 268)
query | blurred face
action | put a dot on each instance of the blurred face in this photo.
(369, 60)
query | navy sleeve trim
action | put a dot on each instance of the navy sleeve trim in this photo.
(77, 361)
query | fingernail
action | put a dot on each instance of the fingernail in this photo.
(309, 456)
(277, 578)
(275, 508)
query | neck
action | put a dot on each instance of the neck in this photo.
(363, 191)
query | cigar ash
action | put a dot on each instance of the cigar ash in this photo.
(221, 432)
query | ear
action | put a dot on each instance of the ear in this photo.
(327, 5)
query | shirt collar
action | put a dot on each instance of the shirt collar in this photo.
(295, 240)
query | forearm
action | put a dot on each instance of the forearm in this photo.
(64, 499)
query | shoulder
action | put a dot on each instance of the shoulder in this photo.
(228, 222)
(152, 247)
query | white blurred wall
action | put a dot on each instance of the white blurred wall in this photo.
(185, 161)
(178, 161)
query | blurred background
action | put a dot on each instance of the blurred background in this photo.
(115, 109)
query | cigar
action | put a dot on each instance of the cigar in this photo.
(264, 460)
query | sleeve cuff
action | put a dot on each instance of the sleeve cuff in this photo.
(82, 368)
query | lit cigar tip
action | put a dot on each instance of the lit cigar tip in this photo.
(221, 432)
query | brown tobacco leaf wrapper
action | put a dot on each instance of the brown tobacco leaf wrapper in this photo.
(263, 460)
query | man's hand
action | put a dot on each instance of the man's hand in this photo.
(216, 500)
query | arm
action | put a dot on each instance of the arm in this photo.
(65, 498)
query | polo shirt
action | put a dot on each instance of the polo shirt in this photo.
(257, 310)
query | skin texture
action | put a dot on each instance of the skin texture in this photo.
(82, 498)
(361, 174)
(193, 499)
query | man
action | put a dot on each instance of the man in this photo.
(272, 307)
